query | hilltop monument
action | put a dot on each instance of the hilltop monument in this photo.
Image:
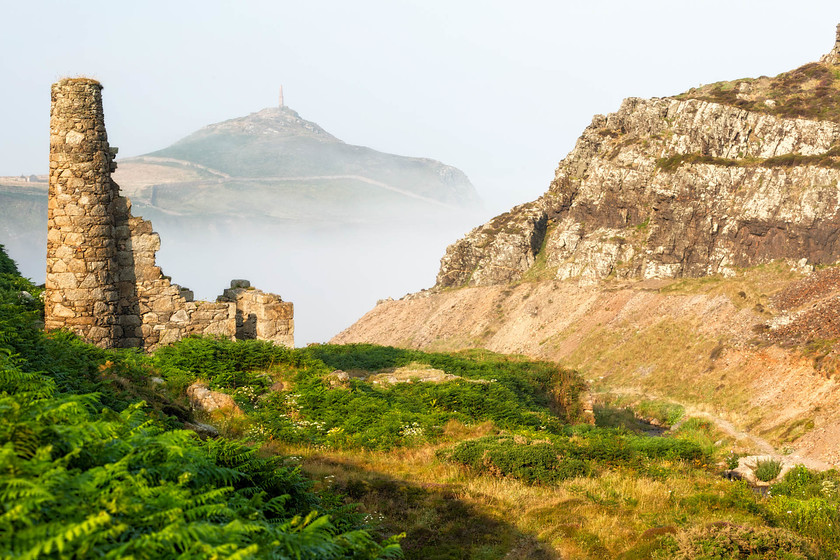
(102, 280)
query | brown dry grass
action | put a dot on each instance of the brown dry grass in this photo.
(445, 507)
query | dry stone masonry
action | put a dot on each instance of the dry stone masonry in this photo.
(102, 280)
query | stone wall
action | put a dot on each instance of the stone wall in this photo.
(102, 279)
(260, 315)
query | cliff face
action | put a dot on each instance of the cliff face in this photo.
(666, 188)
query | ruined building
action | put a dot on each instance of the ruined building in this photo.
(102, 280)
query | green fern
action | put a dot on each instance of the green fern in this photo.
(87, 472)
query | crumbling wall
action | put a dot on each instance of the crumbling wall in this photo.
(102, 279)
(259, 314)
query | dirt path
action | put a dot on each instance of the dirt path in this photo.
(760, 447)
(759, 444)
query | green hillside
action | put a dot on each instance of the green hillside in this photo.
(277, 143)
(94, 463)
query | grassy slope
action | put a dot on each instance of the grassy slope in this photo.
(811, 91)
(499, 495)
(484, 466)
(689, 340)
(88, 470)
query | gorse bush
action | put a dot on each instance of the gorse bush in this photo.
(97, 475)
(526, 460)
(557, 457)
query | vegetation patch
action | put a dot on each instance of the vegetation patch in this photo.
(580, 452)
(662, 413)
(830, 159)
(767, 469)
(726, 541)
(89, 470)
(541, 270)
(671, 163)
(751, 288)
(811, 91)
(808, 503)
(317, 407)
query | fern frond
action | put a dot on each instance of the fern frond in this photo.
(58, 542)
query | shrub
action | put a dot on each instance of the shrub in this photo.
(665, 413)
(809, 503)
(224, 363)
(667, 448)
(559, 457)
(726, 541)
(767, 469)
(7, 265)
(531, 462)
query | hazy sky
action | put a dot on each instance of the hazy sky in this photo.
(500, 89)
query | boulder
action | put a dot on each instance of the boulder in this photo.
(202, 398)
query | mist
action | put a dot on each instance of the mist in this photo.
(333, 274)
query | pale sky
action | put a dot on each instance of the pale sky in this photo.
(500, 89)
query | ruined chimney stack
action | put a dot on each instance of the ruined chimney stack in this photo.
(81, 290)
(103, 282)
(281, 92)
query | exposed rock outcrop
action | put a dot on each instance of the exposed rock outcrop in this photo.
(667, 188)
(500, 251)
(723, 176)
(203, 399)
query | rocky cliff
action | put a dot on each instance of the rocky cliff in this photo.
(672, 257)
(667, 188)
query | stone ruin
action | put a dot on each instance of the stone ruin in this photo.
(834, 56)
(102, 280)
